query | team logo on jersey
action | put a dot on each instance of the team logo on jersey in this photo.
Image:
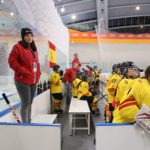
(114, 80)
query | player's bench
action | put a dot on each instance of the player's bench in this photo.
(78, 107)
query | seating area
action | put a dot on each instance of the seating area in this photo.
(78, 109)
(57, 131)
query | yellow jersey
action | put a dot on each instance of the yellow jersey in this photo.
(75, 87)
(109, 78)
(83, 90)
(132, 102)
(123, 87)
(111, 87)
(55, 83)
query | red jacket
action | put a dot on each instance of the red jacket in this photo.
(70, 75)
(21, 61)
(76, 61)
(89, 71)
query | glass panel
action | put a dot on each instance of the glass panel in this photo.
(10, 26)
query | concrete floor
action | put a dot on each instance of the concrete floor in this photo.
(79, 141)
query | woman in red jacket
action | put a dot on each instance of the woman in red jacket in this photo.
(69, 77)
(23, 59)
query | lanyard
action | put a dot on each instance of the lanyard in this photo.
(34, 62)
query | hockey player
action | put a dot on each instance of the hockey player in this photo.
(56, 89)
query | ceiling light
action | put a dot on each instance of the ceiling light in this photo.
(137, 8)
(73, 17)
(12, 14)
(62, 9)
(2, 1)
(59, 0)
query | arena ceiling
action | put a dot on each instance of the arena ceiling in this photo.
(124, 16)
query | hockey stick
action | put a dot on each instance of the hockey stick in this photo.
(11, 108)
(101, 98)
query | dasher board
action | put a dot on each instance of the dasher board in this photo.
(45, 118)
